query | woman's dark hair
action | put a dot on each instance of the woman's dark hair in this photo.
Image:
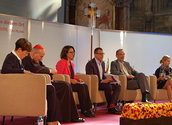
(24, 44)
(65, 49)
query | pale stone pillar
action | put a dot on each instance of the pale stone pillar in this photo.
(122, 14)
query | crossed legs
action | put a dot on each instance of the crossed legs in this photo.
(168, 86)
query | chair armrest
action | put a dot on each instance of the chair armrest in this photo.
(48, 78)
(23, 95)
(94, 82)
(153, 85)
(123, 92)
(67, 78)
(58, 77)
(86, 79)
(94, 87)
(148, 78)
(78, 73)
(123, 80)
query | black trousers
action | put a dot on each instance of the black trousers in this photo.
(83, 95)
(53, 111)
(111, 92)
(67, 103)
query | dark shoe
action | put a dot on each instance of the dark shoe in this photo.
(145, 100)
(92, 113)
(129, 101)
(145, 97)
(147, 92)
(78, 120)
(114, 111)
(88, 113)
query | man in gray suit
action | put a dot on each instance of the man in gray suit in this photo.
(135, 80)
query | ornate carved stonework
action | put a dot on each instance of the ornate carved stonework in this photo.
(134, 15)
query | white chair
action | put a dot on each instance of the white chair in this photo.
(23, 95)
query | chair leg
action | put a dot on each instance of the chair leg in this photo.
(3, 120)
(12, 117)
(120, 104)
(95, 107)
(123, 103)
(45, 120)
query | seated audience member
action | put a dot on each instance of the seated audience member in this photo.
(164, 75)
(65, 66)
(33, 63)
(96, 66)
(135, 80)
(13, 64)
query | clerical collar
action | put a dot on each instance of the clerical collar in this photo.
(17, 56)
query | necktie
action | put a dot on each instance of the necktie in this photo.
(21, 65)
(124, 69)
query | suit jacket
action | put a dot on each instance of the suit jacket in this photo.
(116, 68)
(12, 65)
(62, 67)
(92, 68)
(31, 66)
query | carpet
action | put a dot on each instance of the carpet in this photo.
(102, 118)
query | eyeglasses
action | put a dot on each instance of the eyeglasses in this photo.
(100, 53)
(71, 52)
(121, 54)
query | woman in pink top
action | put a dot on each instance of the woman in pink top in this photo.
(65, 66)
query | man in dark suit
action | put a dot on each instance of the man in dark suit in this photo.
(135, 80)
(13, 64)
(33, 63)
(97, 67)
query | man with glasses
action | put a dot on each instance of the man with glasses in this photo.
(96, 66)
(135, 80)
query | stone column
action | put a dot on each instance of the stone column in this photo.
(72, 8)
(148, 16)
(122, 14)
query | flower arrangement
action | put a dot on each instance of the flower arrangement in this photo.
(137, 111)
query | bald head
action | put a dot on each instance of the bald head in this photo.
(120, 55)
